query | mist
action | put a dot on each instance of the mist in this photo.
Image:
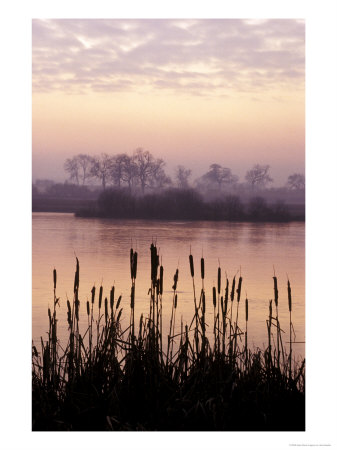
(51, 166)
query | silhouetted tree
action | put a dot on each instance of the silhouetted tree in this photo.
(159, 178)
(116, 168)
(101, 169)
(79, 168)
(296, 182)
(150, 171)
(129, 171)
(258, 176)
(217, 176)
(182, 175)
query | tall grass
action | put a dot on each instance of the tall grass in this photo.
(113, 378)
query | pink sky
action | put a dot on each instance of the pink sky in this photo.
(194, 92)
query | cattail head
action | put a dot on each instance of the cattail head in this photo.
(119, 315)
(161, 279)
(131, 262)
(214, 296)
(69, 313)
(191, 266)
(175, 301)
(219, 280)
(54, 278)
(203, 300)
(106, 308)
(77, 276)
(118, 301)
(238, 291)
(88, 308)
(246, 309)
(135, 257)
(154, 263)
(289, 297)
(93, 290)
(100, 297)
(77, 307)
(175, 280)
(112, 297)
(226, 305)
(270, 311)
(132, 296)
(275, 291)
(226, 290)
(202, 268)
(233, 290)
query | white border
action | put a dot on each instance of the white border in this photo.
(321, 149)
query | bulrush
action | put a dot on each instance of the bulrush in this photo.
(118, 302)
(100, 296)
(125, 379)
(191, 266)
(214, 296)
(161, 280)
(77, 276)
(289, 296)
(175, 280)
(233, 290)
(54, 278)
(112, 298)
(133, 264)
(275, 291)
(238, 291)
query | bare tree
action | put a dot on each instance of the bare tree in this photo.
(159, 178)
(117, 168)
(129, 171)
(296, 182)
(101, 169)
(150, 171)
(182, 175)
(72, 168)
(217, 176)
(79, 168)
(258, 176)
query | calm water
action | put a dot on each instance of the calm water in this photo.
(102, 247)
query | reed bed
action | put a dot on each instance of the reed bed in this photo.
(113, 378)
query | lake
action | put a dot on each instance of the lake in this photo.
(103, 249)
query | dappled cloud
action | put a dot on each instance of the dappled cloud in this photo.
(193, 57)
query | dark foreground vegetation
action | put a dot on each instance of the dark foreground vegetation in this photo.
(187, 204)
(198, 377)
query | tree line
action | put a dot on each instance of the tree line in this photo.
(184, 204)
(142, 171)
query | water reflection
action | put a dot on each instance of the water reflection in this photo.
(102, 247)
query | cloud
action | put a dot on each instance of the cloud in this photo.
(194, 56)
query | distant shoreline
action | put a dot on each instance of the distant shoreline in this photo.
(88, 209)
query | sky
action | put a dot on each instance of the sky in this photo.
(193, 92)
